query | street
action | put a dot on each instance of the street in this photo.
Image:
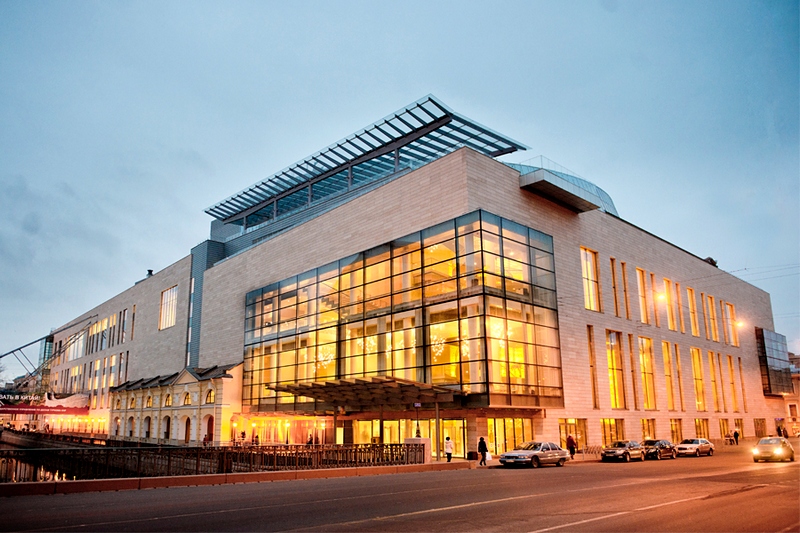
(726, 492)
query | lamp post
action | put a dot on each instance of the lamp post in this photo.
(234, 433)
(287, 432)
(417, 406)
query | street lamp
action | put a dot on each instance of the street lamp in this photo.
(417, 406)
(287, 432)
(234, 434)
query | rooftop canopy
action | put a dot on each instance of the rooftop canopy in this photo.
(414, 135)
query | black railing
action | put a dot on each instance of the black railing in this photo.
(106, 462)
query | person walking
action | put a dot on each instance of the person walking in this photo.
(483, 449)
(736, 436)
(448, 448)
(571, 446)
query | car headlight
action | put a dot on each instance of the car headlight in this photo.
(755, 451)
(778, 451)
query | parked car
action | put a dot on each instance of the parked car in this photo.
(696, 447)
(623, 450)
(773, 449)
(535, 453)
(659, 449)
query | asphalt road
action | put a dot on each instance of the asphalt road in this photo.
(726, 492)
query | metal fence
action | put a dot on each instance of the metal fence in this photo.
(105, 463)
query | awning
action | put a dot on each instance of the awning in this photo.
(369, 393)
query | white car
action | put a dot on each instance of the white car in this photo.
(696, 447)
(534, 454)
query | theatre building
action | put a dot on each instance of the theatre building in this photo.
(405, 280)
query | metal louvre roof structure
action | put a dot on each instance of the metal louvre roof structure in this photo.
(418, 133)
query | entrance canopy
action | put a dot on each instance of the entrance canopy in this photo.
(369, 393)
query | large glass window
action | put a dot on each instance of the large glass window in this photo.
(699, 383)
(644, 311)
(646, 364)
(668, 373)
(612, 429)
(469, 304)
(690, 296)
(616, 372)
(168, 309)
(591, 283)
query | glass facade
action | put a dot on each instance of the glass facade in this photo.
(469, 304)
(773, 357)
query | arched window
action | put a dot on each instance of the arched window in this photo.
(187, 399)
(168, 401)
(210, 396)
(133, 403)
(149, 402)
(118, 405)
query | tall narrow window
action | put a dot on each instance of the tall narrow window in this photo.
(712, 369)
(712, 319)
(632, 359)
(593, 367)
(701, 428)
(591, 283)
(666, 353)
(693, 311)
(614, 286)
(732, 383)
(169, 306)
(741, 380)
(722, 383)
(733, 332)
(699, 386)
(679, 304)
(644, 312)
(625, 296)
(704, 302)
(616, 372)
(680, 379)
(654, 297)
(648, 379)
(671, 324)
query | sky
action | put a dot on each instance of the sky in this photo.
(120, 122)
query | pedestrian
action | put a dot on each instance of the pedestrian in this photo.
(785, 433)
(483, 449)
(571, 446)
(448, 448)
(736, 436)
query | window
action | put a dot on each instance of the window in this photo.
(593, 367)
(648, 428)
(169, 306)
(701, 428)
(731, 324)
(676, 429)
(187, 399)
(616, 372)
(591, 284)
(712, 319)
(680, 379)
(741, 381)
(724, 427)
(722, 383)
(732, 384)
(149, 402)
(679, 303)
(210, 396)
(699, 386)
(712, 370)
(648, 379)
(655, 300)
(577, 427)
(667, 356)
(760, 427)
(612, 429)
(632, 359)
(793, 410)
(644, 312)
(132, 404)
(693, 311)
(614, 286)
(625, 298)
(671, 324)
(168, 401)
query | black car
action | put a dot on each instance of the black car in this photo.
(659, 449)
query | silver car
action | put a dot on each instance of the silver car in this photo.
(534, 453)
(773, 449)
(696, 447)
